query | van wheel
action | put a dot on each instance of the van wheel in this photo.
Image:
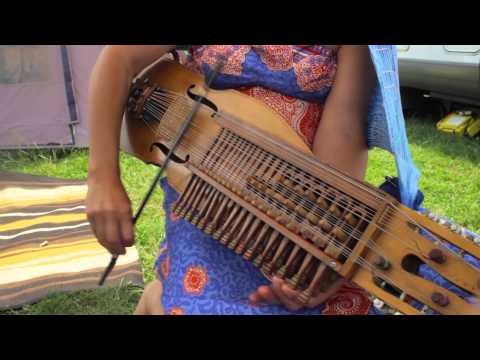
(415, 104)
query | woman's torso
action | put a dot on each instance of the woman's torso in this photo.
(293, 80)
(199, 274)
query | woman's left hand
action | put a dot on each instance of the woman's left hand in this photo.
(279, 293)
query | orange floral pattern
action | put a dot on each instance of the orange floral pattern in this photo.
(294, 81)
(232, 55)
(177, 311)
(314, 74)
(276, 57)
(165, 266)
(195, 280)
(310, 69)
(314, 66)
(301, 115)
(350, 300)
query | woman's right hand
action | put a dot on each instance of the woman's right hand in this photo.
(108, 206)
(110, 215)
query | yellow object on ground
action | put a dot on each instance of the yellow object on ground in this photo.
(456, 122)
(474, 128)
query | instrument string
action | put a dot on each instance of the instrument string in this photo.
(321, 212)
(385, 219)
(234, 165)
(304, 182)
(237, 180)
(299, 196)
(164, 105)
(340, 246)
(186, 102)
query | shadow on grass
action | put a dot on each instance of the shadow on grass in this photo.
(423, 133)
(118, 300)
(59, 163)
(37, 154)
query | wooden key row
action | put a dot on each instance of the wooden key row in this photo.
(235, 227)
(324, 217)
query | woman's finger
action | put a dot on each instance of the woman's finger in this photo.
(289, 292)
(321, 297)
(254, 298)
(286, 300)
(268, 295)
(113, 236)
(126, 230)
(99, 231)
(263, 295)
(91, 220)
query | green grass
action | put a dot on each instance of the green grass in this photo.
(120, 300)
(149, 230)
(450, 179)
(450, 171)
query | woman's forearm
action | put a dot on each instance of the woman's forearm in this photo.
(108, 91)
(109, 85)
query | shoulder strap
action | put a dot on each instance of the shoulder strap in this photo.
(392, 128)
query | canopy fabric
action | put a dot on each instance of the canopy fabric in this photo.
(43, 94)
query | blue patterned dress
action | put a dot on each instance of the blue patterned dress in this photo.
(201, 276)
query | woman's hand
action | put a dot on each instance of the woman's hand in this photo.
(110, 215)
(340, 142)
(108, 206)
(279, 293)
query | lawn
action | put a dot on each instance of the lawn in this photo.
(450, 180)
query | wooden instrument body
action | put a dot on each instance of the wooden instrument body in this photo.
(382, 228)
(172, 76)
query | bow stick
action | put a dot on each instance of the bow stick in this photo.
(153, 185)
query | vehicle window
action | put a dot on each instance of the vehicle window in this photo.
(462, 48)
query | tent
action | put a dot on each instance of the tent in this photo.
(43, 95)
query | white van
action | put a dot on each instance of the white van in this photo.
(447, 72)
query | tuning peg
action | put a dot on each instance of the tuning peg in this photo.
(292, 226)
(262, 207)
(454, 227)
(306, 233)
(440, 299)
(282, 219)
(427, 311)
(287, 182)
(381, 263)
(441, 221)
(272, 213)
(437, 256)
(378, 304)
